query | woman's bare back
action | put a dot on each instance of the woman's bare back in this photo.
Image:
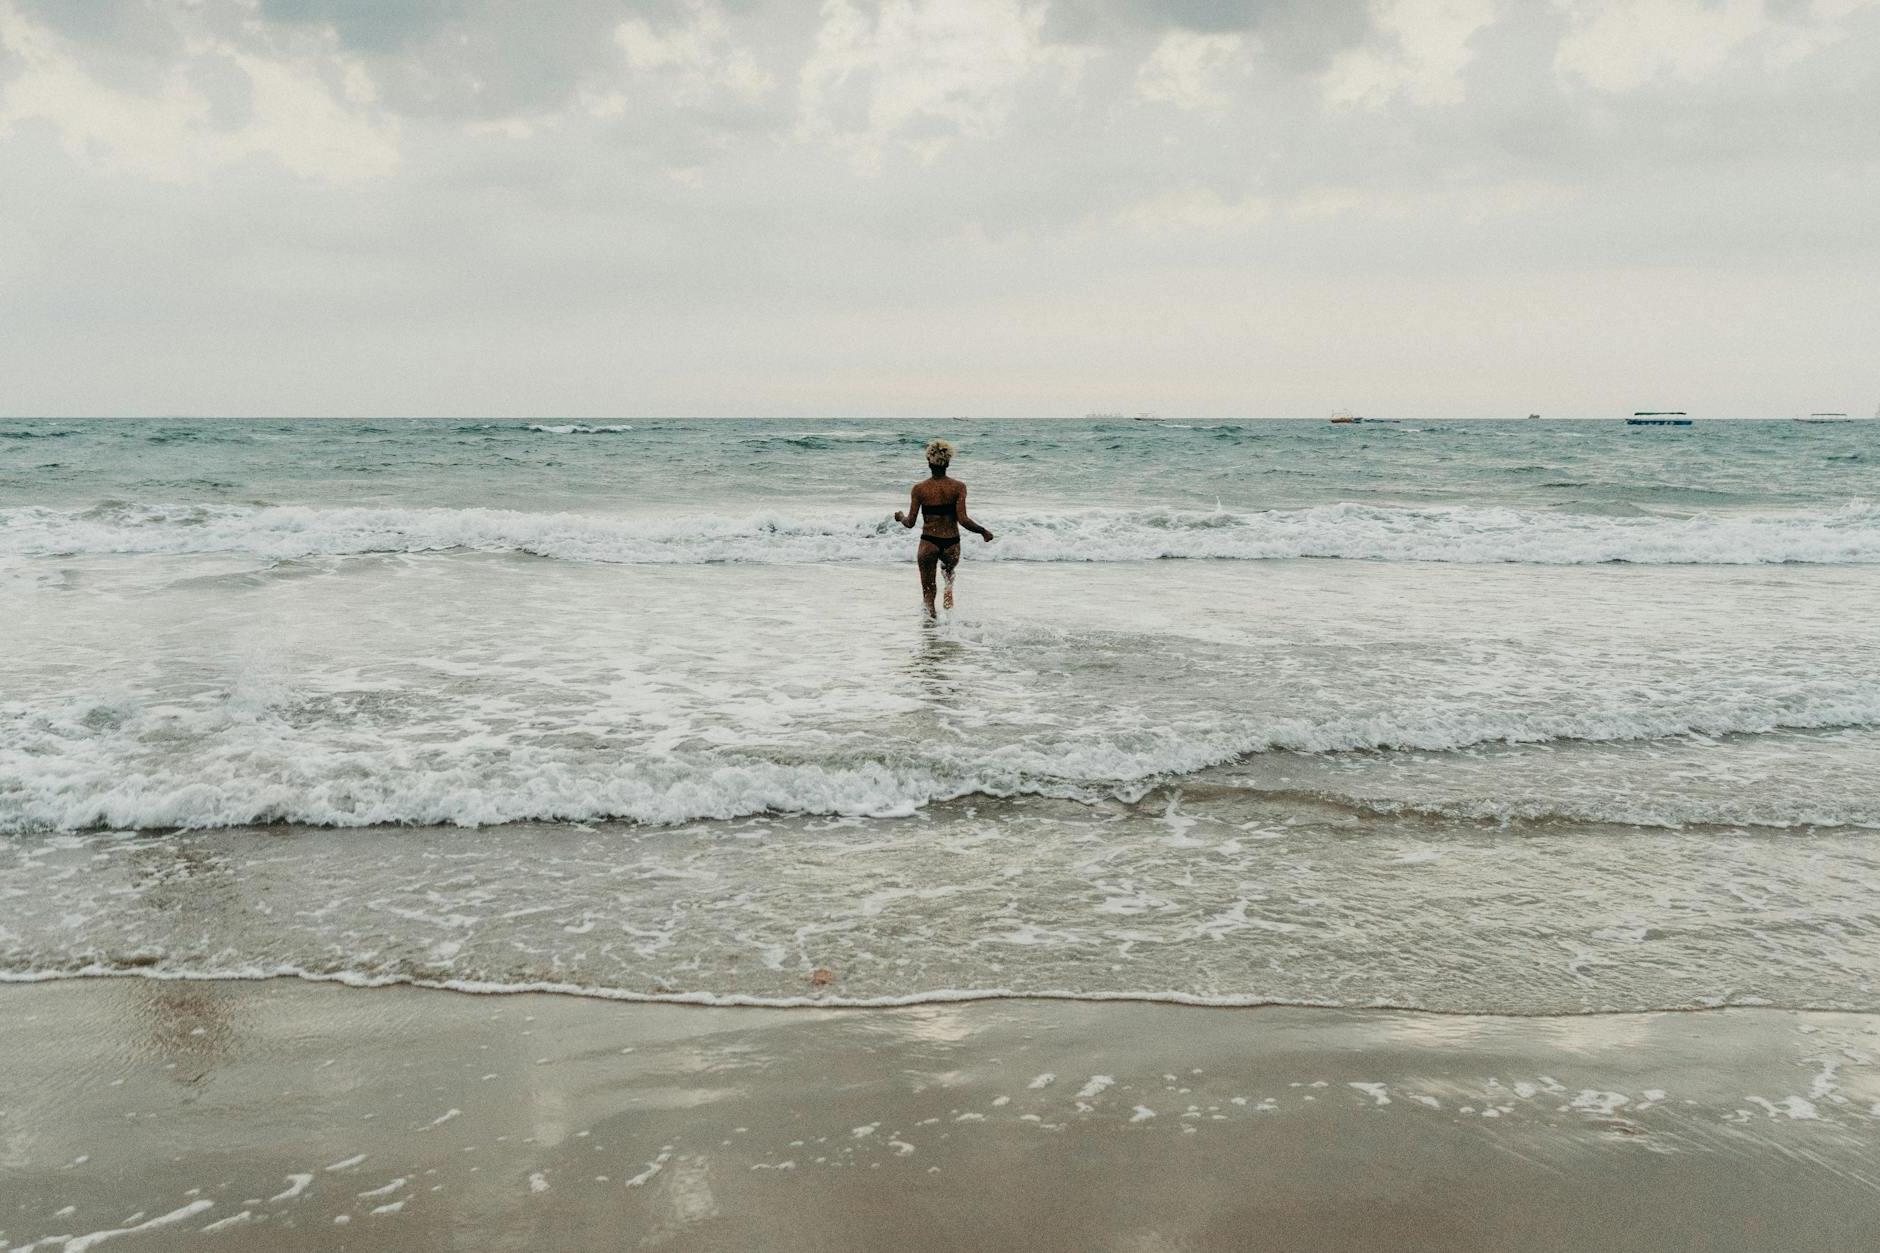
(939, 502)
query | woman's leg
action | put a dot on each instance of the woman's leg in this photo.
(950, 562)
(926, 558)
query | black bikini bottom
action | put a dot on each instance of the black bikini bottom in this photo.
(943, 542)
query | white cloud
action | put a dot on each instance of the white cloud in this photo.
(1616, 45)
(922, 73)
(1426, 49)
(1203, 210)
(699, 58)
(722, 205)
(1191, 70)
(1195, 209)
(1471, 205)
(1620, 45)
(317, 125)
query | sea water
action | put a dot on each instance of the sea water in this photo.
(1523, 717)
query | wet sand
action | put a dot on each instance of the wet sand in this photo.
(150, 1115)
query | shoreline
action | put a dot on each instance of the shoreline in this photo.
(914, 1000)
(289, 1114)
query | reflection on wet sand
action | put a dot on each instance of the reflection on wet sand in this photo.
(186, 889)
(186, 1028)
(410, 1120)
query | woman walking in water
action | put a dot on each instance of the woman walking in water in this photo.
(943, 502)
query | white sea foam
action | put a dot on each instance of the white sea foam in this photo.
(80, 1244)
(248, 766)
(580, 428)
(1848, 535)
(385, 1190)
(296, 1184)
(652, 1168)
(1796, 1108)
(1591, 1101)
(1378, 1093)
(924, 997)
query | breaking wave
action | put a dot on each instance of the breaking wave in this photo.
(1848, 535)
(578, 428)
(82, 765)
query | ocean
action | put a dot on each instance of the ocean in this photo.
(1526, 717)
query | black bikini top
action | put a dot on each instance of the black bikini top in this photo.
(937, 511)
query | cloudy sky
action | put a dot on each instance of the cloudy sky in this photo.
(918, 207)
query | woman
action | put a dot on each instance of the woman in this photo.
(943, 502)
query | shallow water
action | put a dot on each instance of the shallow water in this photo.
(1506, 717)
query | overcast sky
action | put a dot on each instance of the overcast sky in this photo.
(925, 207)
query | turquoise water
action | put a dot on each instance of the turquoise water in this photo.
(1525, 717)
(1594, 467)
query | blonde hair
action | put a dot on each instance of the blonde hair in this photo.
(939, 453)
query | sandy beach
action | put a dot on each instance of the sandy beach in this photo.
(158, 1115)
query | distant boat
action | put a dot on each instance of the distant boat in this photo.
(1342, 418)
(1658, 417)
(1532, 416)
(1147, 417)
(1826, 417)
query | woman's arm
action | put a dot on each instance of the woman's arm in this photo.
(913, 511)
(967, 522)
